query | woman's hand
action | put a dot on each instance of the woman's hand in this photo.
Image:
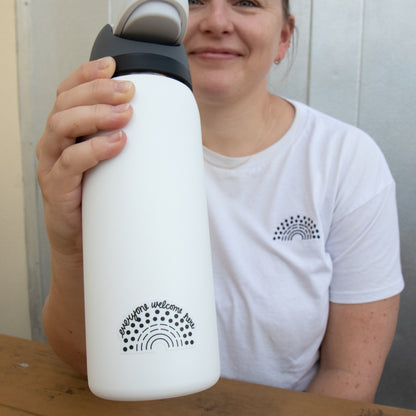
(87, 101)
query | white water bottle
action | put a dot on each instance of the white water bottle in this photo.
(149, 298)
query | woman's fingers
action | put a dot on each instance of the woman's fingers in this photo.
(89, 71)
(84, 121)
(62, 185)
(62, 188)
(75, 160)
(98, 91)
(88, 102)
(64, 127)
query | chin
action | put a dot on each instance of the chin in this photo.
(217, 86)
(210, 94)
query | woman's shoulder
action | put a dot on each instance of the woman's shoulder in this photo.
(343, 151)
(323, 123)
(328, 133)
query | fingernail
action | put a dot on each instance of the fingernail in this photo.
(115, 137)
(104, 63)
(123, 86)
(121, 108)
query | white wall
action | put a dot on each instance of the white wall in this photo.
(14, 302)
(354, 60)
(54, 38)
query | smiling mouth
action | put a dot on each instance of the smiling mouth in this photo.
(215, 54)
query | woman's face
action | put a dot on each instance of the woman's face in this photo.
(231, 45)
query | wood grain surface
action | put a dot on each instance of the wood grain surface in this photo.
(33, 381)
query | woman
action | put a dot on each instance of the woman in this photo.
(302, 211)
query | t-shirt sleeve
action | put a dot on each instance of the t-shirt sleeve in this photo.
(364, 242)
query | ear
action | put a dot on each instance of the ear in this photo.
(285, 38)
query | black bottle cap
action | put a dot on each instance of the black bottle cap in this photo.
(133, 56)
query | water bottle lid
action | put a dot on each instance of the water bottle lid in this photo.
(154, 21)
(133, 56)
(157, 21)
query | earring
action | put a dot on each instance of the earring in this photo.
(277, 61)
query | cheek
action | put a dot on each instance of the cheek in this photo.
(190, 30)
(187, 41)
(265, 47)
(265, 35)
(186, 38)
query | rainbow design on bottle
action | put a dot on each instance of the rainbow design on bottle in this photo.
(154, 325)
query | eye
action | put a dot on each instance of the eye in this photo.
(246, 3)
(194, 2)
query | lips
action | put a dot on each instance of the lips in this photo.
(210, 53)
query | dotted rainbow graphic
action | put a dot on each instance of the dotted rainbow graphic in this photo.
(157, 324)
(298, 227)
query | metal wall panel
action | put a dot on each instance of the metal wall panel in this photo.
(336, 57)
(387, 112)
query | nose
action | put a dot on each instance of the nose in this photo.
(217, 18)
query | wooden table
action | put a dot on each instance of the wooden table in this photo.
(33, 381)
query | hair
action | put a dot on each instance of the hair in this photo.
(293, 44)
(286, 8)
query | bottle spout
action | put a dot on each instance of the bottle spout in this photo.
(156, 21)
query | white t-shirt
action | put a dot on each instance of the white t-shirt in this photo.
(310, 220)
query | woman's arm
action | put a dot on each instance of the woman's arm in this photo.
(63, 312)
(355, 347)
